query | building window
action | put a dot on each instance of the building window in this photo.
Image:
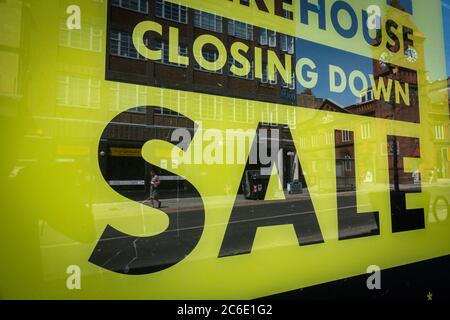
(287, 43)
(291, 85)
(240, 30)
(164, 47)
(243, 113)
(263, 37)
(78, 92)
(207, 21)
(211, 56)
(208, 107)
(288, 14)
(265, 77)
(87, 38)
(366, 131)
(134, 5)
(178, 101)
(122, 95)
(303, 141)
(348, 163)
(171, 11)
(232, 61)
(346, 136)
(367, 96)
(329, 138)
(439, 132)
(165, 111)
(212, 107)
(267, 37)
(138, 110)
(122, 45)
(267, 117)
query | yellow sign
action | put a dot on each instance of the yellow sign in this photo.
(342, 101)
(125, 152)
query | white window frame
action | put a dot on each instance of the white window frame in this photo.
(290, 86)
(263, 37)
(314, 140)
(120, 4)
(439, 132)
(249, 76)
(200, 15)
(267, 37)
(346, 136)
(95, 36)
(181, 9)
(272, 38)
(182, 51)
(117, 92)
(120, 34)
(248, 30)
(366, 130)
(265, 74)
(287, 43)
(329, 138)
(67, 83)
(288, 14)
(198, 67)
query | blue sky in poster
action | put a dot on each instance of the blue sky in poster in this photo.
(406, 4)
(323, 56)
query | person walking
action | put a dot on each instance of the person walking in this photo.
(154, 185)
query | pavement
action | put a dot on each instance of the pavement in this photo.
(195, 203)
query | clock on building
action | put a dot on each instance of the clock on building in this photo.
(411, 54)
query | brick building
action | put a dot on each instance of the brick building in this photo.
(121, 142)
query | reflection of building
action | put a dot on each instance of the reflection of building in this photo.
(371, 105)
(439, 130)
(11, 58)
(124, 64)
(307, 99)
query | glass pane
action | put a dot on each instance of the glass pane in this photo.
(225, 149)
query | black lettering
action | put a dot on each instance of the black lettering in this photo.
(376, 41)
(407, 41)
(351, 223)
(402, 183)
(261, 4)
(245, 220)
(390, 24)
(123, 253)
(279, 9)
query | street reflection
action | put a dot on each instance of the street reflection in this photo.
(348, 164)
